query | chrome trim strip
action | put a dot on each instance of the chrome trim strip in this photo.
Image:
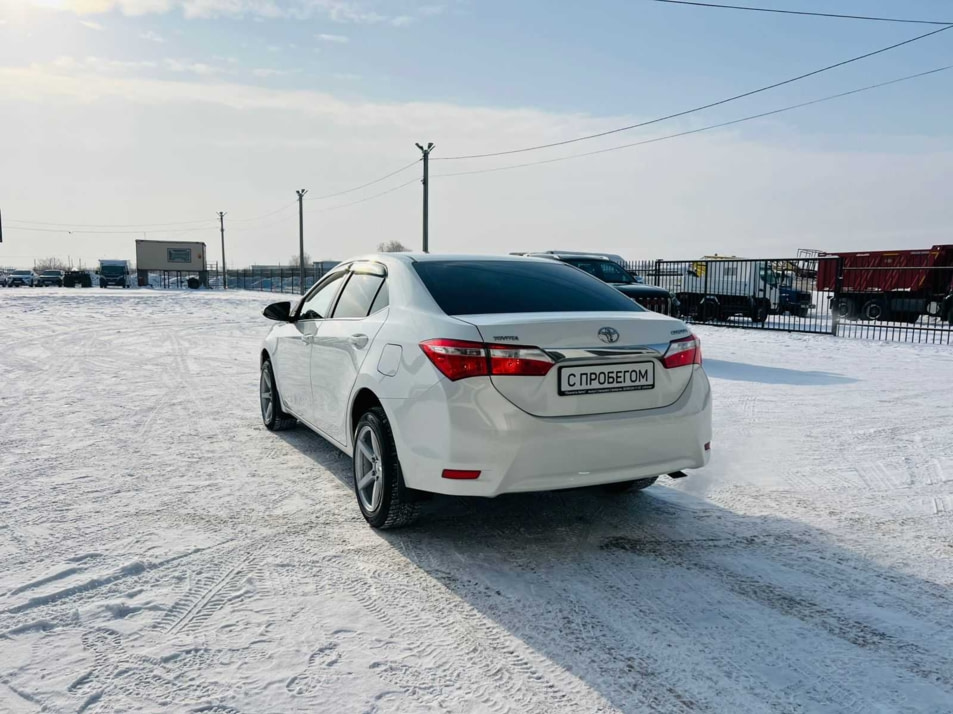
(605, 354)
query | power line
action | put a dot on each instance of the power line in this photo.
(142, 226)
(702, 129)
(365, 185)
(370, 198)
(109, 232)
(151, 227)
(695, 109)
(264, 215)
(804, 12)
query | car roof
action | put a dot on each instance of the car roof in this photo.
(418, 257)
(582, 256)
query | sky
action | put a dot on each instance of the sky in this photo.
(124, 119)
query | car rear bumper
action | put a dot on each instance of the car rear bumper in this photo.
(469, 426)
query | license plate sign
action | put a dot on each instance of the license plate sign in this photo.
(599, 379)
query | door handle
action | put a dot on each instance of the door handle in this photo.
(359, 341)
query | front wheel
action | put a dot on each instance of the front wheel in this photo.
(384, 500)
(759, 314)
(274, 418)
(636, 485)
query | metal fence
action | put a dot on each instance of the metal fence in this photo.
(274, 280)
(807, 294)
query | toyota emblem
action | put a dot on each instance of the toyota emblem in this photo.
(608, 334)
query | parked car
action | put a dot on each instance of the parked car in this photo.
(609, 271)
(50, 278)
(478, 376)
(82, 278)
(21, 278)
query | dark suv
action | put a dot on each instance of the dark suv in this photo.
(648, 296)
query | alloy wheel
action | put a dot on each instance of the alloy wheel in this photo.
(369, 471)
(267, 394)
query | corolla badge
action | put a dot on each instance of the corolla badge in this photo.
(608, 334)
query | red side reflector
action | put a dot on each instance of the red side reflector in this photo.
(708, 446)
(460, 475)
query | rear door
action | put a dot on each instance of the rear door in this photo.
(342, 344)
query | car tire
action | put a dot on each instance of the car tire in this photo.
(625, 486)
(384, 500)
(272, 415)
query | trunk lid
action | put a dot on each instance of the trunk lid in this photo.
(620, 371)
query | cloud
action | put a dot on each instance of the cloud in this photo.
(188, 66)
(99, 64)
(366, 12)
(151, 36)
(265, 72)
(92, 25)
(729, 191)
(335, 39)
(402, 21)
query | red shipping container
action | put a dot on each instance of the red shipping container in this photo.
(889, 270)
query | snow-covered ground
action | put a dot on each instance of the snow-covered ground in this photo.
(161, 551)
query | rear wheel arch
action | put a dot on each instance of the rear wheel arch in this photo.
(363, 401)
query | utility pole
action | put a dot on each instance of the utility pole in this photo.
(1, 228)
(426, 183)
(221, 223)
(301, 194)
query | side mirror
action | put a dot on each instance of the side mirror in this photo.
(280, 311)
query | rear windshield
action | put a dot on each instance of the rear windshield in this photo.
(481, 287)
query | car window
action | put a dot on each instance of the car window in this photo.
(358, 295)
(588, 265)
(474, 287)
(613, 273)
(318, 305)
(382, 300)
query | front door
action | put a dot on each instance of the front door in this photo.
(292, 360)
(295, 343)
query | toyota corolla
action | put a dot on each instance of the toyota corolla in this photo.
(477, 376)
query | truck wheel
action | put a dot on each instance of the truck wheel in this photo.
(843, 308)
(759, 313)
(708, 310)
(804, 312)
(874, 310)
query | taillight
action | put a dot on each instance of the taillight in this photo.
(685, 351)
(458, 359)
(512, 360)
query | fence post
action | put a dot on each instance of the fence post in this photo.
(658, 273)
(835, 301)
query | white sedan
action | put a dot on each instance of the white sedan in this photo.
(476, 376)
